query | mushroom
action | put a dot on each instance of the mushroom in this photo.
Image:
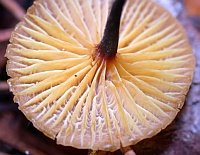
(99, 75)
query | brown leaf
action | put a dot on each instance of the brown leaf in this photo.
(193, 7)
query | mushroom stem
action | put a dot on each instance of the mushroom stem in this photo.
(109, 43)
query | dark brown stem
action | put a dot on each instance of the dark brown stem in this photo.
(109, 43)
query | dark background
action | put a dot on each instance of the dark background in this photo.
(19, 137)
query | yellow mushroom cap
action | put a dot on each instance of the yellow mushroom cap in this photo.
(82, 100)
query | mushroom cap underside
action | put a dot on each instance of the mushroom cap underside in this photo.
(82, 100)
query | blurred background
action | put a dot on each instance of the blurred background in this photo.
(19, 137)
